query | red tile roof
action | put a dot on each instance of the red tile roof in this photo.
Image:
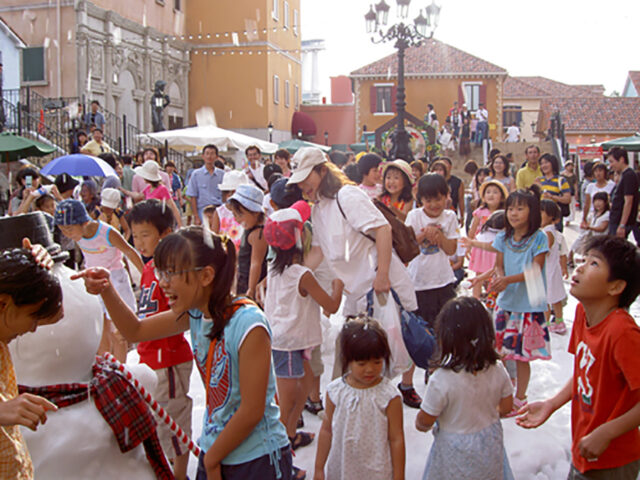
(592, 114)
(433, 57)
(541, 87)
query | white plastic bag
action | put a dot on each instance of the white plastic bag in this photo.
(388, 316)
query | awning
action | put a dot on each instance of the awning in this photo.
(304, 123)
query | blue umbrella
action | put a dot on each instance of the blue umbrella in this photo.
(78, 164)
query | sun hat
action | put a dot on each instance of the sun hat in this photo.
(232, 180)
(306, 159)
(110, 198)
(401, 165)
(283, 229)
(495, 183)
(249, 196)
(71, 212)
(150, 170)
(284, 195)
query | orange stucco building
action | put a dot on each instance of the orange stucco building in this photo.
(246, 63)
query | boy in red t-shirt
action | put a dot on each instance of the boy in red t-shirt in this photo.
(605, 387)
(170, 357)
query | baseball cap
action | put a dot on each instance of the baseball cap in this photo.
(306, 159)
(249, 196)
(283, 229)
(110, 198)
(71, 212)
(284, 195)
(65, 182)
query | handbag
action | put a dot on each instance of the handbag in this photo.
(417, 336)
(564, 207)
(403, 238)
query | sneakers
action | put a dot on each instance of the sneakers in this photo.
(517, 405)
(409, 396)
(556, 325)
(313, 407)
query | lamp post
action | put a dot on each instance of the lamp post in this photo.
(405, 35)
(326, 137)
(270, 130)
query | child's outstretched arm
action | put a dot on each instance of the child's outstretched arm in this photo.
(501, 281)
(27, 409)
(424, 421)
(396, 437)
(160, 325)
(330, 303)
(535, 414)
(121, 244)
(324, 439)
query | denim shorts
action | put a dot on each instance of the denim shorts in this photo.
(288, 364)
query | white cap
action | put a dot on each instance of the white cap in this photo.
(306, 159)
(110, 198)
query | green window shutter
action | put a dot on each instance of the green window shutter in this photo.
(33, 64)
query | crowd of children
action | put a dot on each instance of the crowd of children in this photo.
(252, 283)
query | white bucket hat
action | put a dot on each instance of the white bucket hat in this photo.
(232, 180)
(110, 198)
(150, 170)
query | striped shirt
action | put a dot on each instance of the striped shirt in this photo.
(556, 185)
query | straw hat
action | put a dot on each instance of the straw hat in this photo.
(150, 170)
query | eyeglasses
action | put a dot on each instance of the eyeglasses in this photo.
(166, 276)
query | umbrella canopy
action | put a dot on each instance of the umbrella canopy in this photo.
(78, 164)
(197, 137)
(293, 145)
(14, 147)
(632, 143)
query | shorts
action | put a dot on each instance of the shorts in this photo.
(172, 395)
(288, 364)
(257, 469)
(623, 472)
(431, 301)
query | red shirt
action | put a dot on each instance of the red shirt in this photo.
(164, 352)
(606, 384)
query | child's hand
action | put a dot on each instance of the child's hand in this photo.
(96, 279)
(534, 414)
(27, 409)
(499, 283)
(466, 242)
(431, 233)
(591, 446)
(318, 475)
(39, 253)
(584, 225)
(565, 273)
(381, 284)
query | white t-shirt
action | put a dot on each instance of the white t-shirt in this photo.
(352, 256)
(593, 188)
(482, 114)
(464, 402)
(513, 134)
(294, 319)
(258, 175)
(431, 269)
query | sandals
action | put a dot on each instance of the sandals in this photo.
(298, 473)
(517, 405)
(313, 407)
(300, 423)
(301, 439)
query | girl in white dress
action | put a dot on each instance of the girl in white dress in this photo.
(464, 397)
(361, 435)
(556, 294)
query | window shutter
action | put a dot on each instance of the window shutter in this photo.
(394, 94)
(373, 97)
(519, 116)
(483, 95)
(461, 99)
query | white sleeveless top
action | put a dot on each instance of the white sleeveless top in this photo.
(98, 250)
(294, 319)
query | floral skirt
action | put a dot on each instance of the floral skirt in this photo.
(522, 336)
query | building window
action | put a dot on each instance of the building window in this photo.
(176, 5)
(160, 2)
(285, 13)
(286, 93)
(472, 95)
(295, 22)
(296, 95)
(33, 67)
(275, 11)
(276, 89)
(383, 99)
(510, 114)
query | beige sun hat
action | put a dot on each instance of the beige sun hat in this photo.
(306, 159)
(150, 170)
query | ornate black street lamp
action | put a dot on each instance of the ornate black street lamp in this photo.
(270, 130)
(405, 35)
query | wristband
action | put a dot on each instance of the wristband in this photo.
(622, 225)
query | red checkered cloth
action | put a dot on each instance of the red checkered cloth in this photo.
(122, 407)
